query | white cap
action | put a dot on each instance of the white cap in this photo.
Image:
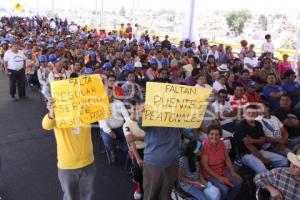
(138, 64)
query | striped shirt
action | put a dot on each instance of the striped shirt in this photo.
(282, 180)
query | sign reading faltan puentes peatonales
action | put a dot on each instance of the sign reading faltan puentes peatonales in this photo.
(172, 105)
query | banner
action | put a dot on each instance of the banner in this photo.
(79, 101)
(171, 105)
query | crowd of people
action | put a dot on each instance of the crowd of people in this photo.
(255, 105)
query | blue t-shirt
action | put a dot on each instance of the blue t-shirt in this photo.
(290, 88)
(162, 146)
(267, 90)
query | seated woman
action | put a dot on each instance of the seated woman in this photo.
(190, 177)
(217, 166)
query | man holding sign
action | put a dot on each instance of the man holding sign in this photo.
(168, 108)
(70, 114)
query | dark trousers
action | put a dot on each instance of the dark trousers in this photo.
(17, 79)
(158, 182)
(137, 171)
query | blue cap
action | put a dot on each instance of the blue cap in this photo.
(146, 47)
(158, 44)
(42, 58)
(153, 61)
(88, 70)
(165, 61)
(50, 46)
(251, 84)
(52, 58)
(27, 42)
(28, 52)
(92, 54)
(61, 45)
(142, 42)
(129, 67)
(4, 42)
(106, 65)
(173, 47)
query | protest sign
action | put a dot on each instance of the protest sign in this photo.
(172, 105)
(79, 101)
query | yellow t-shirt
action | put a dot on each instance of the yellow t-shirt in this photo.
(132, 127)
(74, 146)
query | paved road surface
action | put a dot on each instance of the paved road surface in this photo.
(28, 155)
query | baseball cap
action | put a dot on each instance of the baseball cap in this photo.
(251, 84)
(138, 65)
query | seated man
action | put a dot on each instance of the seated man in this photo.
(132, 90)
(238, 100)
(113, 127)
(275, 133)
(272, 92)
(134, 137)
(290, 119)
(283, 183)
(224, 111)
(251, 93)
(291, 87)
(250, 138)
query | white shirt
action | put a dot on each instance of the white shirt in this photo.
(132, 127)
(15, 60)
(267, 47)
(119, 115)
(42, 75)
(220, 108)
(52, 25)
(216, 54)
(217, 86)
(73, 28)
(251, 61)
(205, 86)
(275, 123)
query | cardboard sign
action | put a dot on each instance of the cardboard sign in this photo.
(172, 105)
(80, 101)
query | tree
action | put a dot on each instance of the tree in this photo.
(263, 22)
(236, 20)
(122, 11)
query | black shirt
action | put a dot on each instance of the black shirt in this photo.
(290, 114)
(244, 129)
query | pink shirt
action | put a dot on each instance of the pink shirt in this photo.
(283, 67)
(216, 157)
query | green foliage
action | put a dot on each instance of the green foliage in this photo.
(263, 22)
(122, 11)
(236, 20)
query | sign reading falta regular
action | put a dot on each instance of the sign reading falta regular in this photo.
(172, 105)
(80, 101)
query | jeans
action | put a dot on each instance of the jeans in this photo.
(292, 142)
(275, 149)
(76, 181)
(258, 166)
(112, 144)
(227, 192)
(196, 192)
